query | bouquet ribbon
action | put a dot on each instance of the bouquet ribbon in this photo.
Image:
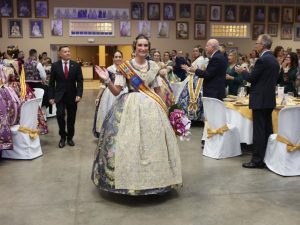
(221, 131)
(290, 146)
(134, 79)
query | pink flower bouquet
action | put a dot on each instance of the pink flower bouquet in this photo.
(180, 123)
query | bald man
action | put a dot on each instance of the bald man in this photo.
(215, 73)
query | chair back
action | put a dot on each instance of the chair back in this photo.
(214, 111)
(289, 123)
(29, 113)
(39, 93)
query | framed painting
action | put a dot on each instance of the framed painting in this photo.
(200, 12)
(36, 28)
(182, 30)
(230, 13)
(24, 8)
(257, 30)
(137, 10)
(163, 29)
(169, 11)
(297, 15)
(125, 28)
(297, 32)
(287, 14)
(6, 8)
(185, 10)
(259, 13)
(200, 31)
(286, 31)
(153, 11)
(15, 28)
(245, 13)
(41, 9)
(144, 27)
(272, 29)
(215, 12)
(56, 27)
(273, 14)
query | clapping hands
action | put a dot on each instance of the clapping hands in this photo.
(102, 73)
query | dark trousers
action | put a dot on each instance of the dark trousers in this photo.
(32, 85)
(262, 129)
(63, 106)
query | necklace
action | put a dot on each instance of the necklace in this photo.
(142, 67)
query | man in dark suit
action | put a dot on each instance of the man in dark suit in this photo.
(262, 98)
(215, 73)
(65, 89)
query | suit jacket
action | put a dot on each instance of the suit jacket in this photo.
(59, 86)
(181, 73)
(214, 77)
(263, 79)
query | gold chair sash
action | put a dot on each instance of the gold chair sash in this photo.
(221, 131)
(289, 145)
(32, 133)
(23, 84)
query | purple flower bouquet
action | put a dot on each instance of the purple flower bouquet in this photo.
(180, 123)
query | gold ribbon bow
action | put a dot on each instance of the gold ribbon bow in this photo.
(221, 130)
(194, 95)
(290, 146)
(32, 133)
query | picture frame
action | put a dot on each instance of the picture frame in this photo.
(297, 32)
(259, 14)
(182, 30)
(245, 13)
(6, 8)
(185, 11)
(287, 14)
(230, 13)
(257, 29)
(15, 28)
(200, 12)
(200, 31)
(144, 27)
(163, 29)
(273, 14)
(286, 31)
(297, 14)
(24, 8)
(153, 11)
(169, 11)
(36, 28)
(125, 28)
(137, 10)
(215, 12)
(41, 8)
(272, 29)
(57, 27)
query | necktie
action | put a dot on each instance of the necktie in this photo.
(66, 71)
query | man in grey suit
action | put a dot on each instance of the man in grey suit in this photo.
(263, 80)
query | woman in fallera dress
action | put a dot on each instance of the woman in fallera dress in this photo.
(105, 99)
(137, 152)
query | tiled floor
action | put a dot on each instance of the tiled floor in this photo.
(56, 189)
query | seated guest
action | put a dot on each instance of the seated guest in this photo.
(233, 80)
(288, 73)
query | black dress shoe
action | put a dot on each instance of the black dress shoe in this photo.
(71, 142)
(253, 165)
(62, 143)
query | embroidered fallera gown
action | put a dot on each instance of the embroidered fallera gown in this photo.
(137, 151)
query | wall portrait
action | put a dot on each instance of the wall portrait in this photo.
(259, 13)
(297, 32)
(144, 27)
(15, 28)
(287, 14)
(273, 14)
(272, 29)
(163, 29)
(125, 28)
(182, 30)
(41, 8)
(56, 27)
(36, 28)
(169, 11)
(286, 31)
(6, 8)
(200, 12)
(24, 8)
(137, 10)
(153, 11)
(200, 31)
(215, 12)
(230, 13)
(185, 10)
(297, 14)
(245, 14)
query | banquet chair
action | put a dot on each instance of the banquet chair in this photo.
(25, 137)
(39, 93)
(222, 139)
(283, 149)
